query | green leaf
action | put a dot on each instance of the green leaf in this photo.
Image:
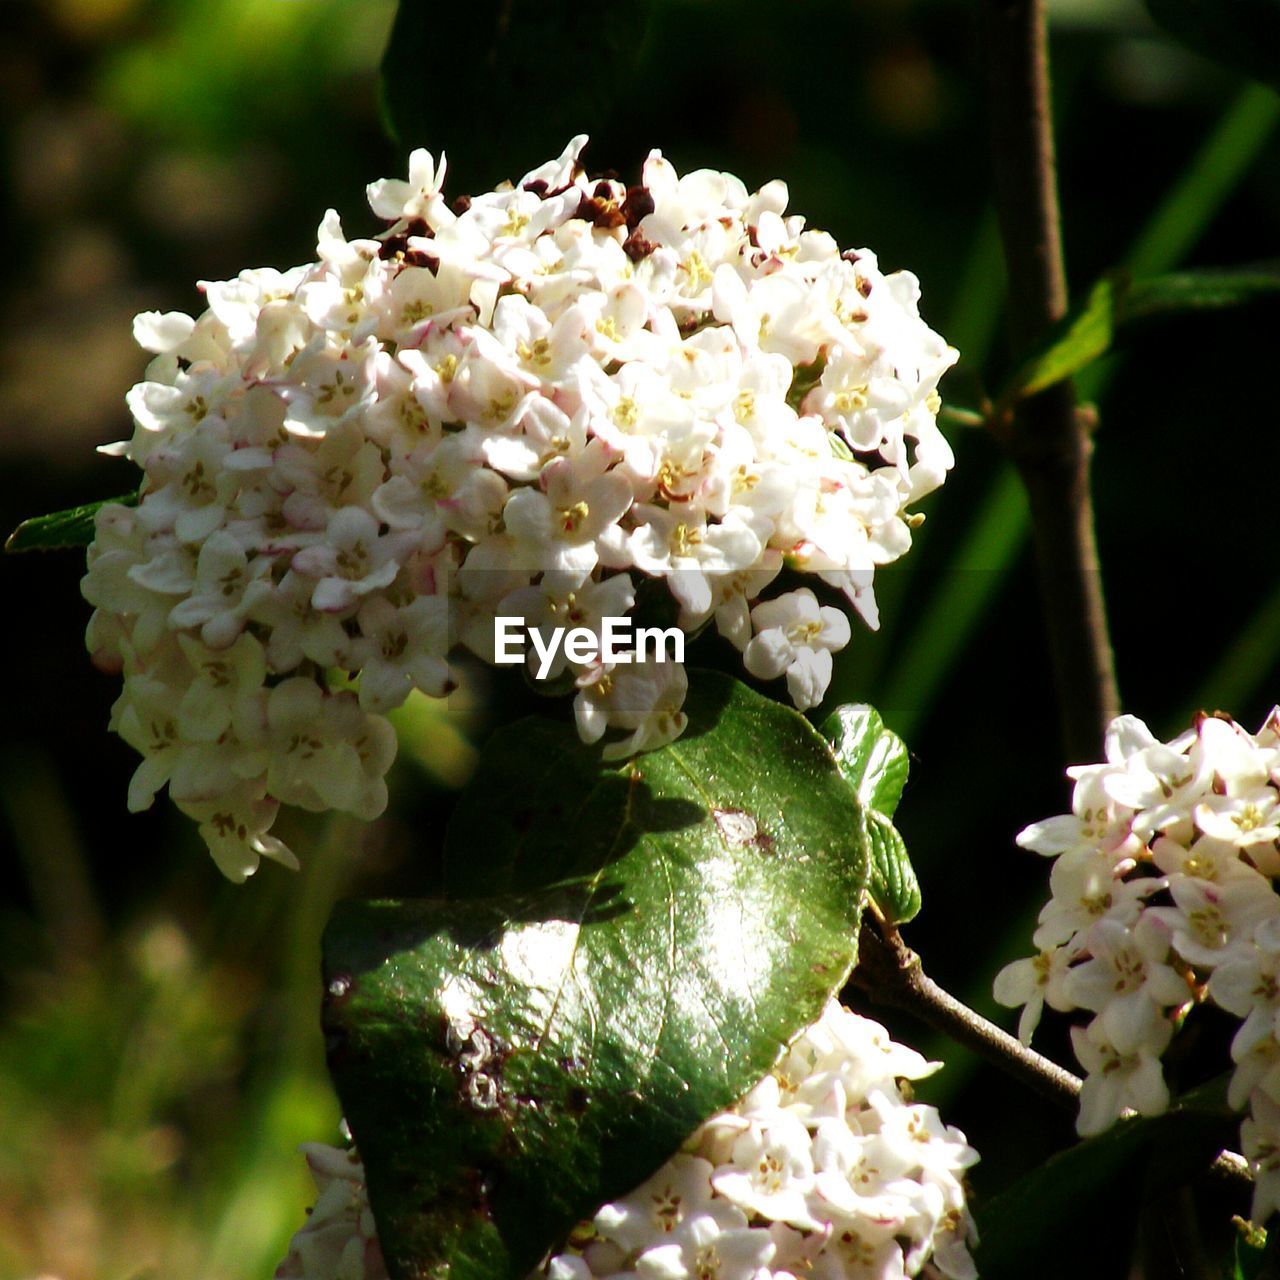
(61, 529)
(625, 952)
(502, 86)
(1117, 306)
(872, 757)
(892, 883)
(1043, 1224)
(1082, 336)
(1241, 34)
(874, 762)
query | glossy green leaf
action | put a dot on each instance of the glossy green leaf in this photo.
(872, 757)
(874, 761)
(1241, 34)
(1043, 1224)
(62, 529)
(624, 952)
(892, 882)
(502, 86)
(1117, 305)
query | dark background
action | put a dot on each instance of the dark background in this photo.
(159, 1055)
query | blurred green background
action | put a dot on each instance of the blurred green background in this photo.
(159, 1051)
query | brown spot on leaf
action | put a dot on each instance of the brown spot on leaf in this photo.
(738, 829)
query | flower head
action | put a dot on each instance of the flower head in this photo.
(1163, 895)
(869, 1187)
(539, 397)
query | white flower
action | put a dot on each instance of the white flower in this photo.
(235, 827)
(796, 636)
(679, 543)
(402, 649)
(772, 1171)
(680, 1189)
(712, 1244)
(1162, 896)
(561, 383)
(1115, 1079)
(339, 1240)
(1032, 983)
(354, 560)
(1126, 980)
(1260, 1138)
(645, 697)
(227, 586)
(563, 527)
(872, 1189)
(392, 199)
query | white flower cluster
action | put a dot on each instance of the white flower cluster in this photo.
(825, 1169)
(517, 405)
(1163, 896)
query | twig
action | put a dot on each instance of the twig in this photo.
(890, 973)
(1047, 436)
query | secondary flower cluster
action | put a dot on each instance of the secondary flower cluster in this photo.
(824, 1169)
(520, 404)
(1164, 895)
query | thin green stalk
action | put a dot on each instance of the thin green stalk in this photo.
(1207, 183)
(1182, 218)
(961, 599)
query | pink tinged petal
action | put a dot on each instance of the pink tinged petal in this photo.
(316, 561)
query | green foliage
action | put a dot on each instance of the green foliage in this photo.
(1041, 1224)
(625, 952)
(511, 80)
(1241, 34)
(1117, 305)
(874, 762)
(225, 71)
(62, 529)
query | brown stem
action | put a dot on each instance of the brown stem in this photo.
(1047, 436)
(890, 973)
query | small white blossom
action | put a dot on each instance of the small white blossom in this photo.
(1164, 895)
(545, 395)
(795, 637)
(874, 1189)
